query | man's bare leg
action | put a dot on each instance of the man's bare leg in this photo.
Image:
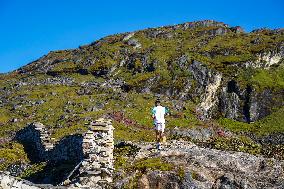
(157, 136)
(162, 137)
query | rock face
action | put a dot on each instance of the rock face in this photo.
(247, 105)
(9, 182)
(219, 95)
(234, 103)
(211, 82)
(209, 168)
(266, 60)
(208, 85)
(158, 179)
(196, 134)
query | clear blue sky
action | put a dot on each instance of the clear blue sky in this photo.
(31, 28)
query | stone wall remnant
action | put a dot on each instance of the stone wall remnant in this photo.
(92, 152)
(97, 166)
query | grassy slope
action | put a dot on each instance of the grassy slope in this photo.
(135, 107)
(273, 123)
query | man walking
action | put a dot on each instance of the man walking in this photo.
(158, 115)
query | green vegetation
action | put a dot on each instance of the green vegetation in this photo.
(130, 133)
(120, 162)
(236, 126)
(272, 78)
(240, 144)
(12, 153)
(5, 115)
(33, 169)
(181, 173)
(65, 67)
(273, 123)
(151, 164)
(247, 145)
(143, 165)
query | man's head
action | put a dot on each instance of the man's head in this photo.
(158, 102)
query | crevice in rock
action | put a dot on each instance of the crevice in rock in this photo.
(232, 87)
(150, 67)
(100, 73)
(246, 108)
(52, 73)
(83, 71)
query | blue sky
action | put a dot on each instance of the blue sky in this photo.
(31, 28)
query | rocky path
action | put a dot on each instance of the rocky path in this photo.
(210, 168)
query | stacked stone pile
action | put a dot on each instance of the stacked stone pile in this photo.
(97, 167)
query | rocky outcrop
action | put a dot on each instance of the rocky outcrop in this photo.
(195, 134)
(266, 60)
(158, 179)
(208, 85)
(10, 182)
(204, 23)
(247, 105)
(209, 168)
(237, 29)
(232, 102)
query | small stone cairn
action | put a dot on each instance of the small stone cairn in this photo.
(97, 167)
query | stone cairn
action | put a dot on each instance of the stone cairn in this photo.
(97, 166)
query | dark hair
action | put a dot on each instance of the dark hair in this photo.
(157, 102)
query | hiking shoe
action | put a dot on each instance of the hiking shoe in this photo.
(158, 146)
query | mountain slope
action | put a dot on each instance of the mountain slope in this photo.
(179, 60)
(211, 76)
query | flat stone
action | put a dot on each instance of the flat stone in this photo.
(98, 128)
(96, 172)
(85, 140)
(99, 124)
(89, 132)
(49, 146)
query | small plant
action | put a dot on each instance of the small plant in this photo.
(181, 173)
(33, 170)
(11, 153)
(240, 144)
(151, 164)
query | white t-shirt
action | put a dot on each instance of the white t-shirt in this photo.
(159, 113)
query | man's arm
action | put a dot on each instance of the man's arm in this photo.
(167, 111)
(153, 113)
